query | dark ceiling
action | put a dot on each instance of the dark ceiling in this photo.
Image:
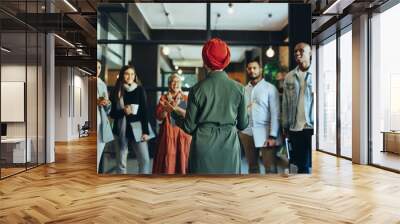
(79, 27)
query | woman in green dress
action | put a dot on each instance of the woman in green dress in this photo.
(216, 110)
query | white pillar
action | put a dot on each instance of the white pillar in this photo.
(50, 98)
(360, 90)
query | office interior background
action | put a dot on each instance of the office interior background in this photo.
(268, 34)
(48, 56)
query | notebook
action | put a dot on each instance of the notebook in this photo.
(137, 131)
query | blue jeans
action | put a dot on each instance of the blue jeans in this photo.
(142, 154)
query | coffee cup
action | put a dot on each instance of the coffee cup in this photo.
(134, 108)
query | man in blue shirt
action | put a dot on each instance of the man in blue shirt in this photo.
(263, 129)
(297, 108)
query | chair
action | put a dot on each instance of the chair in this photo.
(84, 129)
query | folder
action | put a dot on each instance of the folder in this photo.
(137, 131)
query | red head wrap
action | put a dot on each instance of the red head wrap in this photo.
(216, 54)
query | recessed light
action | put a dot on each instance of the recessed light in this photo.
(270, 52)
(84, 71)
(230, 8)
(165, 50)
(70, 5)
(5, 50)
(64, 40)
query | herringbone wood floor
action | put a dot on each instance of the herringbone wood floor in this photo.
(70, 191)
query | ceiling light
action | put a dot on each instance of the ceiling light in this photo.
(176, 67)
(230, 8)
(5, 50)
(180, 71)
(65, 41)
(337, 7)
(168, 15)
(270, 52)
(43, 7)
(84, 71)
(216, 21)
(165, 50)
(70, 5)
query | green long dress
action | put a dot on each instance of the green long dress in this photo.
(216, 110)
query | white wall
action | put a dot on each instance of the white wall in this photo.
(12, 73)
(71, 102)
(80, 112)
(33, 127)
(16, 73)
(61, 103)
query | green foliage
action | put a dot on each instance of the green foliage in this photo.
(271, 70)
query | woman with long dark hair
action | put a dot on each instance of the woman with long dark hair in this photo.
(129, 108)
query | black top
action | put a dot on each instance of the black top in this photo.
(137, 96)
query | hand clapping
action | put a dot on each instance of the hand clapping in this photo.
(168, 107)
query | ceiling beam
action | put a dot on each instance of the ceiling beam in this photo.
(50, 22)
(337, 7)
(127, 18)
(320, 23)
(84, 24)
(205, 1)
(111, 7)
(199, 36)
(332, 29)
(81, 61)
(137, 17)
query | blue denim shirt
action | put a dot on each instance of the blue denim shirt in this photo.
(291, 92)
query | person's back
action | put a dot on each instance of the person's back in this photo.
(216, 109)
(218, 98)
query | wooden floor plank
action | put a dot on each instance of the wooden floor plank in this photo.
(70, 191)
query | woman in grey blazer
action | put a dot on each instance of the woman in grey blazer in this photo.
(104, 132)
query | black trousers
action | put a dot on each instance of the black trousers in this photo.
(301, 149)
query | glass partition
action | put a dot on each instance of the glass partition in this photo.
(385, 89)
(327, 97)
(22, 90)
(32, 98)
(346, 94)
(14, 151)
